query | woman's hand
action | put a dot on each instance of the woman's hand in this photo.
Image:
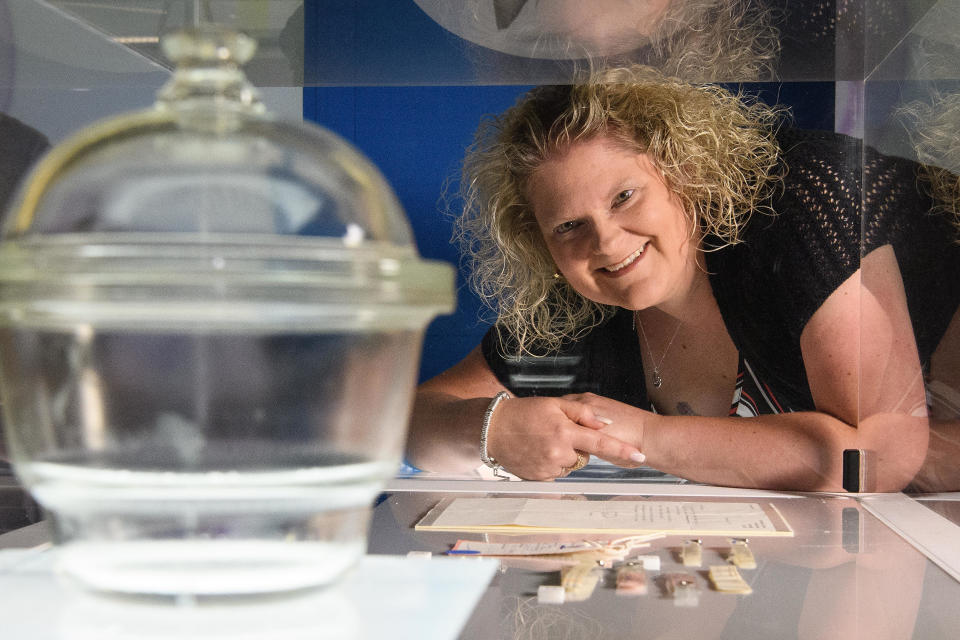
(625, 421)
(532, 438)
(539, 438)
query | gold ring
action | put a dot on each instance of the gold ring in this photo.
(582, 460)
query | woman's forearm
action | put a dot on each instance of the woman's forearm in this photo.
(445, 432)
(539, 438)
(799, 451)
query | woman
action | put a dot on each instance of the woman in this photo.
(687, 263)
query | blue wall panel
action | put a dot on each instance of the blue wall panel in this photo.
(417, 137)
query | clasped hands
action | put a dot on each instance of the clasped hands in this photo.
(541, 438)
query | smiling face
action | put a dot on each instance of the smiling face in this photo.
(616, 232)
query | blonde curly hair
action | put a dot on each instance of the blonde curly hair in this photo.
(932, 127)
(716, 151)
(712, 40)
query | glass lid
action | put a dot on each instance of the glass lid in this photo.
(207, 196)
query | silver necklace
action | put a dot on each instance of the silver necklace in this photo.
(657, 380)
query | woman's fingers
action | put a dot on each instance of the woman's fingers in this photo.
(583, 414)
(607, 447)
(540, 438)
(597, 412)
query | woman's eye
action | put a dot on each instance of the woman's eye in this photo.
(622, 197)
(566, 227)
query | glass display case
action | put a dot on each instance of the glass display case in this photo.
(408, 81)
(408, 85)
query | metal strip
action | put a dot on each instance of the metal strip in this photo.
(927, 531)
(469, 485)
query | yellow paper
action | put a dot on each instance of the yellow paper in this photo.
(537, 515)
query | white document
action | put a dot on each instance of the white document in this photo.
(532, 515)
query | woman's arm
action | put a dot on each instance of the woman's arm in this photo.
(534, 438)
(865, 378)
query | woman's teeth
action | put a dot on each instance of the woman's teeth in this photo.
(626, 262)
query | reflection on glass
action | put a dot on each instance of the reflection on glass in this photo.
(695, 39)
(925, 117)
(21, 146)
(933, 126)
(858, 568)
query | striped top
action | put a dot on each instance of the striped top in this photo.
(752, 397)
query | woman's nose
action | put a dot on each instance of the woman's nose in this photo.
(605, 235)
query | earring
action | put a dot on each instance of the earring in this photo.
(556, 275)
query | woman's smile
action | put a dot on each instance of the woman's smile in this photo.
(624, 266)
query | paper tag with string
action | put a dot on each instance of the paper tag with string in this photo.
(618, 546)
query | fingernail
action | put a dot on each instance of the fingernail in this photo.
(638, 457)
(604, 420)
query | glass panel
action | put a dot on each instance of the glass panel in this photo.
(354, 42)
(277, 26)
(429, 42)
(57, 75)
(409, 80)
(417, 134)
(525, 42)
(912, 100)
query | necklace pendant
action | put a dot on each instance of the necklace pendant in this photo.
(657, 380)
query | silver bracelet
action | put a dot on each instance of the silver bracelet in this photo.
(484, 455)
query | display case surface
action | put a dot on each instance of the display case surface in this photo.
(844, 571)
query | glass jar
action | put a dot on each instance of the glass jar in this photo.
(210, 325)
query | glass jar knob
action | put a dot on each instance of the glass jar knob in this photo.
(208, 90)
